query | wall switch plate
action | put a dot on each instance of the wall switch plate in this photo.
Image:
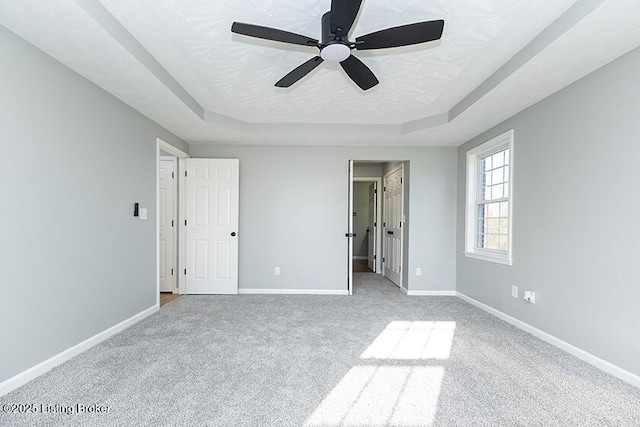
(418, 271)
(276, 271)
(530, 296)
(514, 291)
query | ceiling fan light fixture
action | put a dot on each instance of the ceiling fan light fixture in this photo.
(335, 52)
(335, 45)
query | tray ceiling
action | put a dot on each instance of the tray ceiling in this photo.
(178, 63)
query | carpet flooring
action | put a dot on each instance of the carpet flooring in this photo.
(377, 358)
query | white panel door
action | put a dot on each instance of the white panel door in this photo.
(167, 224)
(392, 226)
(372, 226)
(212, 191)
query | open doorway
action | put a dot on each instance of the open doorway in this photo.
(378, 223)
(367, 211)
(168, 202)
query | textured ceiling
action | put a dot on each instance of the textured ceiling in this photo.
(178, 63)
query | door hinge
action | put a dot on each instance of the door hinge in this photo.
(375, 224)
(350, 235)
(400, 224)
(172, 223)
(185, 222)
(383, 259)
(185, 271)
(374, 257)
(400, 180)
(384, 188)
(375, 191)
(185, 174)
(384, 224)
(172, 271)
(172, 175)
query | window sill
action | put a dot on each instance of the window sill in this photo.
(486, 257)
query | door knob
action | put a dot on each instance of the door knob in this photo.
(233, 234)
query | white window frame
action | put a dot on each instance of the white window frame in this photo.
(474, 155)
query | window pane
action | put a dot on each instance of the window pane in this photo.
(504, 243)
(493, 226)
(488, 179)
(504, 208)
(496, 192)
(506, 156)
(504, 226)
(498, 176)
(492, 241)
(494, 210)
(488, 193)
(498, 159)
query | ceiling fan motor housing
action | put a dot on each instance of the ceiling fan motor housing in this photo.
(334, 48)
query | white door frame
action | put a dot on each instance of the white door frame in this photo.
(180, 155)
(350, 231)
(378, 181)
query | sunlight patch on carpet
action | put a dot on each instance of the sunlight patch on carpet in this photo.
(381, 396)
(407, 340)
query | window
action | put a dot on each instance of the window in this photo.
(489, 201)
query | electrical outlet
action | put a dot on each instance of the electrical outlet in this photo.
(276, 271)
(418, 271)
(530, 296)
(514, 291)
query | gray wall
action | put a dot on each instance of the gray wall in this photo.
(576, 205)
(367, 170)
(294, 207)
(74, 261)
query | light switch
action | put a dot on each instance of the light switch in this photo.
(143, 213)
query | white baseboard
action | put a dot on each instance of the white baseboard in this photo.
(599, 363)
(24, 377)
(431, 293)
(292, 292)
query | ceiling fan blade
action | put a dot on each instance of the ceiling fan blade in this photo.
(403, 35)
(299, 72)
(359, 73)
(343, 13)
(272, 34)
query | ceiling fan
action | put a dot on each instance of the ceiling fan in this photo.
(335, 45)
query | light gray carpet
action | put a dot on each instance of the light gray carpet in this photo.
(377, 358)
